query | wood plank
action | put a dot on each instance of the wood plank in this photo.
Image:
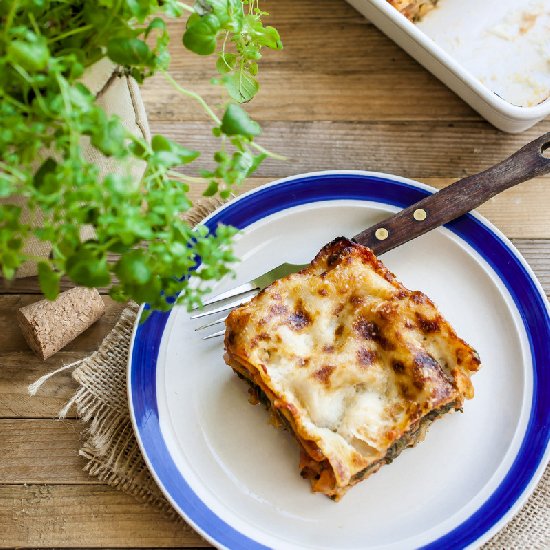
(38, 516)
(42, 451)
(422, 150)
(537, 255)
(288, 94)
(18, 369)
(520, 212)
(294, 14)
(11, 338)
(317, 76)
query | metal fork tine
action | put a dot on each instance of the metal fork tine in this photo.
(258, 283)
(214, 335)
(225, 307)
(237, 291)
(217, 322)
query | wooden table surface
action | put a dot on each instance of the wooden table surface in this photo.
(340, 96)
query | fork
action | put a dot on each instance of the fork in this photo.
(433, 211)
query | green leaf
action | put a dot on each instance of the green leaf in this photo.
(32, 55)
(139, 149)
(132, 268)
(226, 63)
(161, 143)
(149, 292)
(9, 215)
(44, 170)
(129, 51)
(200, 37)
(172, 8)
(139, 8)
(237, 122)
(170, 153)
(120, 184)
(253, 69)
(109, 137)
(8, 272)
(193, 18)
(49, 280)
(269, 36)
(225, 10)
(85, 268)
(6, 187)
(258, 159)
(212, 189)
(241, 85)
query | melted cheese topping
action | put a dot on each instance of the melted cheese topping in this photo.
(414, 9)
(353, 358)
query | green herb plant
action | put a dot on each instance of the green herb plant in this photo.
(46, 113)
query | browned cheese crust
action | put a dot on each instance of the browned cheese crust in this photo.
(353, 363)
(414, 10)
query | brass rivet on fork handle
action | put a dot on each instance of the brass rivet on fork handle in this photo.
(381, 233)
(420, 214)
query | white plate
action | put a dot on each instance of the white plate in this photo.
(235, 478)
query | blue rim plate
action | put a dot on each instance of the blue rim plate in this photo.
(485, 517)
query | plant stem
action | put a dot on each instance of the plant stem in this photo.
(37, 93)
(11, 15)
(71, 33)
(275, 156)
(190, 9)
(16, 103)
(33, 23)
(193, 95)
(190, 179)
(13, 170)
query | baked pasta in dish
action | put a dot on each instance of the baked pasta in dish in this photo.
(351, 362)
(414, 10)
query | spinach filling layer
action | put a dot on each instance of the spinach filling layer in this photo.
(408, 439)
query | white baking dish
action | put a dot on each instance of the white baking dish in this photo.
(464, 44)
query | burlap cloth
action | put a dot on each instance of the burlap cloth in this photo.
(113, 455)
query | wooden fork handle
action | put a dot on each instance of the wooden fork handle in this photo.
(458, 198)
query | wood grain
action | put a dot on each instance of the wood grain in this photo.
(508, 210)
(18, 369)
(356, 75)
(339, 96)
(429, 149)
(39, 516)
(49, 456)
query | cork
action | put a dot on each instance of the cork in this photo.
(49, 326)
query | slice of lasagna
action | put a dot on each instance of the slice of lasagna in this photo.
(351, 362)
(414, 10)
